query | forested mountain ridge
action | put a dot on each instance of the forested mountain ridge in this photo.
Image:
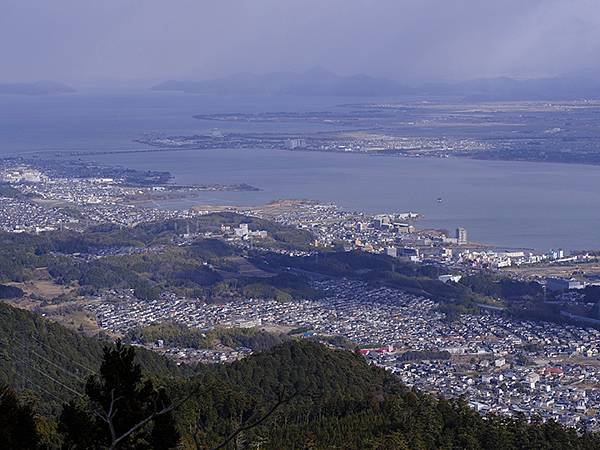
(53, 362)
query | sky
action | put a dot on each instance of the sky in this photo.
(104, 41)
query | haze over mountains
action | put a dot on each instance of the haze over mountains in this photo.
(317, 82)
(35, 88)
(320, 82)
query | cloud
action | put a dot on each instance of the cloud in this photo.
(79, 41)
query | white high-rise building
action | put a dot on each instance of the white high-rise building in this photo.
(461, 236)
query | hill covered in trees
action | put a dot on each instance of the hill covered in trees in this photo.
(298, 394)
(44, 358)
(149, 259)
(180, 335)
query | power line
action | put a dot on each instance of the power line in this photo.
(77, 377)
(50, 377)
(68, 358)
(37, 386)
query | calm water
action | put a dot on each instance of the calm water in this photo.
(535, 205)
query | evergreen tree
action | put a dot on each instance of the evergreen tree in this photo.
(121, 410)
(17, 423)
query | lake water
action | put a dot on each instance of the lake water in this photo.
(514, 204)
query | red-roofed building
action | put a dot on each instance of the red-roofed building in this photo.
(388, 349)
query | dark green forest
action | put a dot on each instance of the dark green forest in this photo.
(178, 335)
(148, 259)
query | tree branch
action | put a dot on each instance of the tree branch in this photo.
(256, 423)
(155, 414)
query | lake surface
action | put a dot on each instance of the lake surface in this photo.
(514, 204)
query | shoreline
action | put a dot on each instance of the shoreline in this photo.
(375, 153)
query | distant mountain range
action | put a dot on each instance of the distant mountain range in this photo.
(35, 88)
(314, 82)
(320, 82)
(557, 88)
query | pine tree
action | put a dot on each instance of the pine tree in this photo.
(121, 410)
(17, 423)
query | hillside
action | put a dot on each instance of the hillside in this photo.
(345, 403)
(53, 362)
(151, 261)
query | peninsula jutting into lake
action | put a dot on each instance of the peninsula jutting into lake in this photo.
(558, 131)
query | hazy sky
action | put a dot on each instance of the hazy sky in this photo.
(84, 41)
